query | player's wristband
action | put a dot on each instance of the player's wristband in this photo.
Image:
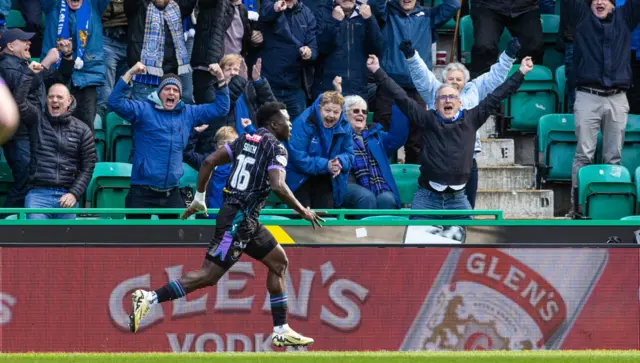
(199, 196)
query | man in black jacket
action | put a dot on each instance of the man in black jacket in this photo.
(15, 47)
(602, 53)
(447, 138)
(63, 152)
(490, 17)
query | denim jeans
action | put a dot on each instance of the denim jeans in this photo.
(425, 199)
(548, 6)
(18, 154)
(295, 99)
(568, 73)
(140, 91)
(359, 197)
(47, 198)
(115, 58)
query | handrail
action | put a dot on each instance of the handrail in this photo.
(340, 218)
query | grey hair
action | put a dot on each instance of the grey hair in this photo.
(445, 85)
(351, 101)
(456, 67)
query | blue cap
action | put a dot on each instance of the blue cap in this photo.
(13, 34)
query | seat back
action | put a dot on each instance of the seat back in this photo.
(109, 186)
(385, 218)
(406, 178)
(6, 182)
(536, 97)
(561, 86)
(15, 20)
(606, 191)
(189, 178)
(631, 146)
(556, 145)
(100, 138)
(121, 143)
(550, 24)
(467, 39)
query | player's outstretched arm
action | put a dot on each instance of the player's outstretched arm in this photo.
(281, 189)
(219, 157)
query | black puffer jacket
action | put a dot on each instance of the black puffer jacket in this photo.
(63, 152)
(255, 95)
(136, 11)
(213, 21)
(13, 69)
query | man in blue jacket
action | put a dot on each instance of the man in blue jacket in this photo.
(80, 21)
(320, 153)
(289, 32)
(349, 34)
(602, 53)
(161, 127)
(402, 20)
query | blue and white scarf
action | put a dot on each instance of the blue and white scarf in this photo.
(83, 16)
(154, 39)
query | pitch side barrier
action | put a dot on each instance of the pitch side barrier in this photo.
(342, 228)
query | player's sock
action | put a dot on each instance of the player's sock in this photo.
(170, 291)
(279, 309)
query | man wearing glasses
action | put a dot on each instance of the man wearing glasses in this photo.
(447, 137)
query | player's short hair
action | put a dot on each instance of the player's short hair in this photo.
(331, 97)
(230, 59)
(268, 111)
(225, 133)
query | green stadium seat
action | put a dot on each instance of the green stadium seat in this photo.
(630, 218)
(15, 20)
(406, 178)
(536, 97)
(561, 86)
(369, 118)
(6, 181)
(556, 147)
(637, 180)
(101, 144)
(606, 192)
(631, 146)
(109, 186)
(467, 39)
(450, 26)
(385, 218)
(189, 178)
(270, 217)
(117, 131)
(550, 25)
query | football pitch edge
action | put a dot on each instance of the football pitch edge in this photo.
(338, 357)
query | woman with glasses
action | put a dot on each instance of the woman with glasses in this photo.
(371, 184)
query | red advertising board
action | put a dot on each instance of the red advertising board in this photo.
(78, 299)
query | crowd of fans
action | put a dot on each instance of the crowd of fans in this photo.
(190, 75)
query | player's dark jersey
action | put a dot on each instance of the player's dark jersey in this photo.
(253, 156)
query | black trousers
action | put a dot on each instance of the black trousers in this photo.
(471, 188)
(141, 196)
(316, 192)
(487, 29)
(87, 104)
(32, 13)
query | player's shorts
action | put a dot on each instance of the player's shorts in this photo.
(236, 234)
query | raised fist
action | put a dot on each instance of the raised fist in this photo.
(257, 70)
(338, 13)
(279, 6)
(65, 46)
(35, 67)
(526, 65)
(138, 68)
(365, 11)
(337, 84)
(245, 122)
(216, 71)
(305, 52)
(373, 64)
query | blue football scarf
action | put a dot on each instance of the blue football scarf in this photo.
(83, 15)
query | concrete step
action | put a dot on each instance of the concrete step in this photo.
(506, 178)
(489, 130)
(497, 152)
(525, 149)
(520, 203)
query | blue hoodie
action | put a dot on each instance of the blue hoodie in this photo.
(160, 136)
(312, 146)
(418, 26)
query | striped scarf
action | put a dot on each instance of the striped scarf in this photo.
(365, 167)
(154, 39)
